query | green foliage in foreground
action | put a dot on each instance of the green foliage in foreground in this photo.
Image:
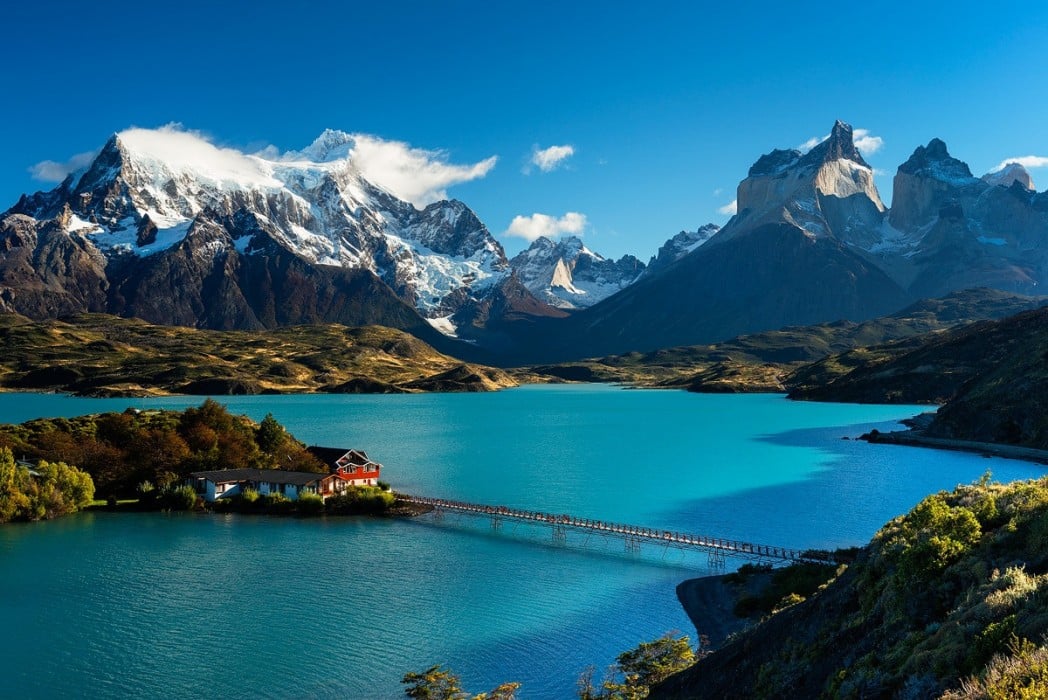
(949, 600)
(787, 586)
(630, 678)
(435, 683)
(636, 670)
(47, 491)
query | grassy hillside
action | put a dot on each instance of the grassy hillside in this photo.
(100, 355)
(766, 361)
(992, 376)
(950, 600)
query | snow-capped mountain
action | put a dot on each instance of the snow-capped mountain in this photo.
(1011, 172)
(152, 195)
(680, 245)
(568, 275)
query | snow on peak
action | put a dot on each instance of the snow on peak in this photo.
(171, 150)
(1010, 173)
(329, 146)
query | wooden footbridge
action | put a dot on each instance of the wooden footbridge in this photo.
(634, 536)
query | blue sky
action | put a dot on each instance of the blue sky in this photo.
(665, 105)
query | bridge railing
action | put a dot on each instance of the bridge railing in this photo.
(629, 531)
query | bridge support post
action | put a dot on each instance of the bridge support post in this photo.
(438, 513)
(714, 559)
(560, 534)
(632, 544)
(496, 522)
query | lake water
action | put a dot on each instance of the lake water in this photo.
(183, 605)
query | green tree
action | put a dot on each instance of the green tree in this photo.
(437, 684)
(433, 684)
(51, 490)
(637, 670)
(270, 435)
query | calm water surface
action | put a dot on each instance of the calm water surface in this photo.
(153, 605)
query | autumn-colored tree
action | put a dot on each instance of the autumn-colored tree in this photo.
(158, 455)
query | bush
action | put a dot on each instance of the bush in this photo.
(179, 498)
(276, 503)
(361, 500)
(310, 504)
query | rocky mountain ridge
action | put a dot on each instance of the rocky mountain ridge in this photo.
(813, 242)
(163, 215)
(568, 275)
(172, 229)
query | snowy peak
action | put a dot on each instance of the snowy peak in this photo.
(1009, 174)
(928, 181)
(148, 188)
(568, 275)
(934, 161)
(680, 245)
(331, 145)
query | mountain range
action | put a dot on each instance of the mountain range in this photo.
(166, 227)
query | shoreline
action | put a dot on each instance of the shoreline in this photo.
(917, 438)
(709, 602)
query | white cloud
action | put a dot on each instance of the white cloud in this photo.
(718, 192)
(53, 171)
(812, 143)
(731, 208)
(862, 138)
(420, 176)
(1027, 162)
(865, 142)
(547, 159)
(531, 227)
(417, 175)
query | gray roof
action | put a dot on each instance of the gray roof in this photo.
(273, 476)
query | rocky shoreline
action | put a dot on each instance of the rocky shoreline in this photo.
(710, 602)
(918, 438)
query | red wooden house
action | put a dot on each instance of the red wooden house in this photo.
(348, 468)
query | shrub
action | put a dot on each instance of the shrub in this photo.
(276, 503)
(310, 504)
(361, 500)
(931, 537)
(178, 498)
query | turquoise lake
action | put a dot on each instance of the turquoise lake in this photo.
(183, 605)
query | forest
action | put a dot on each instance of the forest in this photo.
(124, 452)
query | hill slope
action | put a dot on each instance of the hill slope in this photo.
(991, 375)
(927, 604)
(94, 354)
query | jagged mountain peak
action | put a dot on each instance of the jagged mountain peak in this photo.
(331, 145)
(839, 146)
(827, 192)
(777, 161)
(680, 245)
(148, 189)
(566, 274)
(935, 161)
(1009, 174)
